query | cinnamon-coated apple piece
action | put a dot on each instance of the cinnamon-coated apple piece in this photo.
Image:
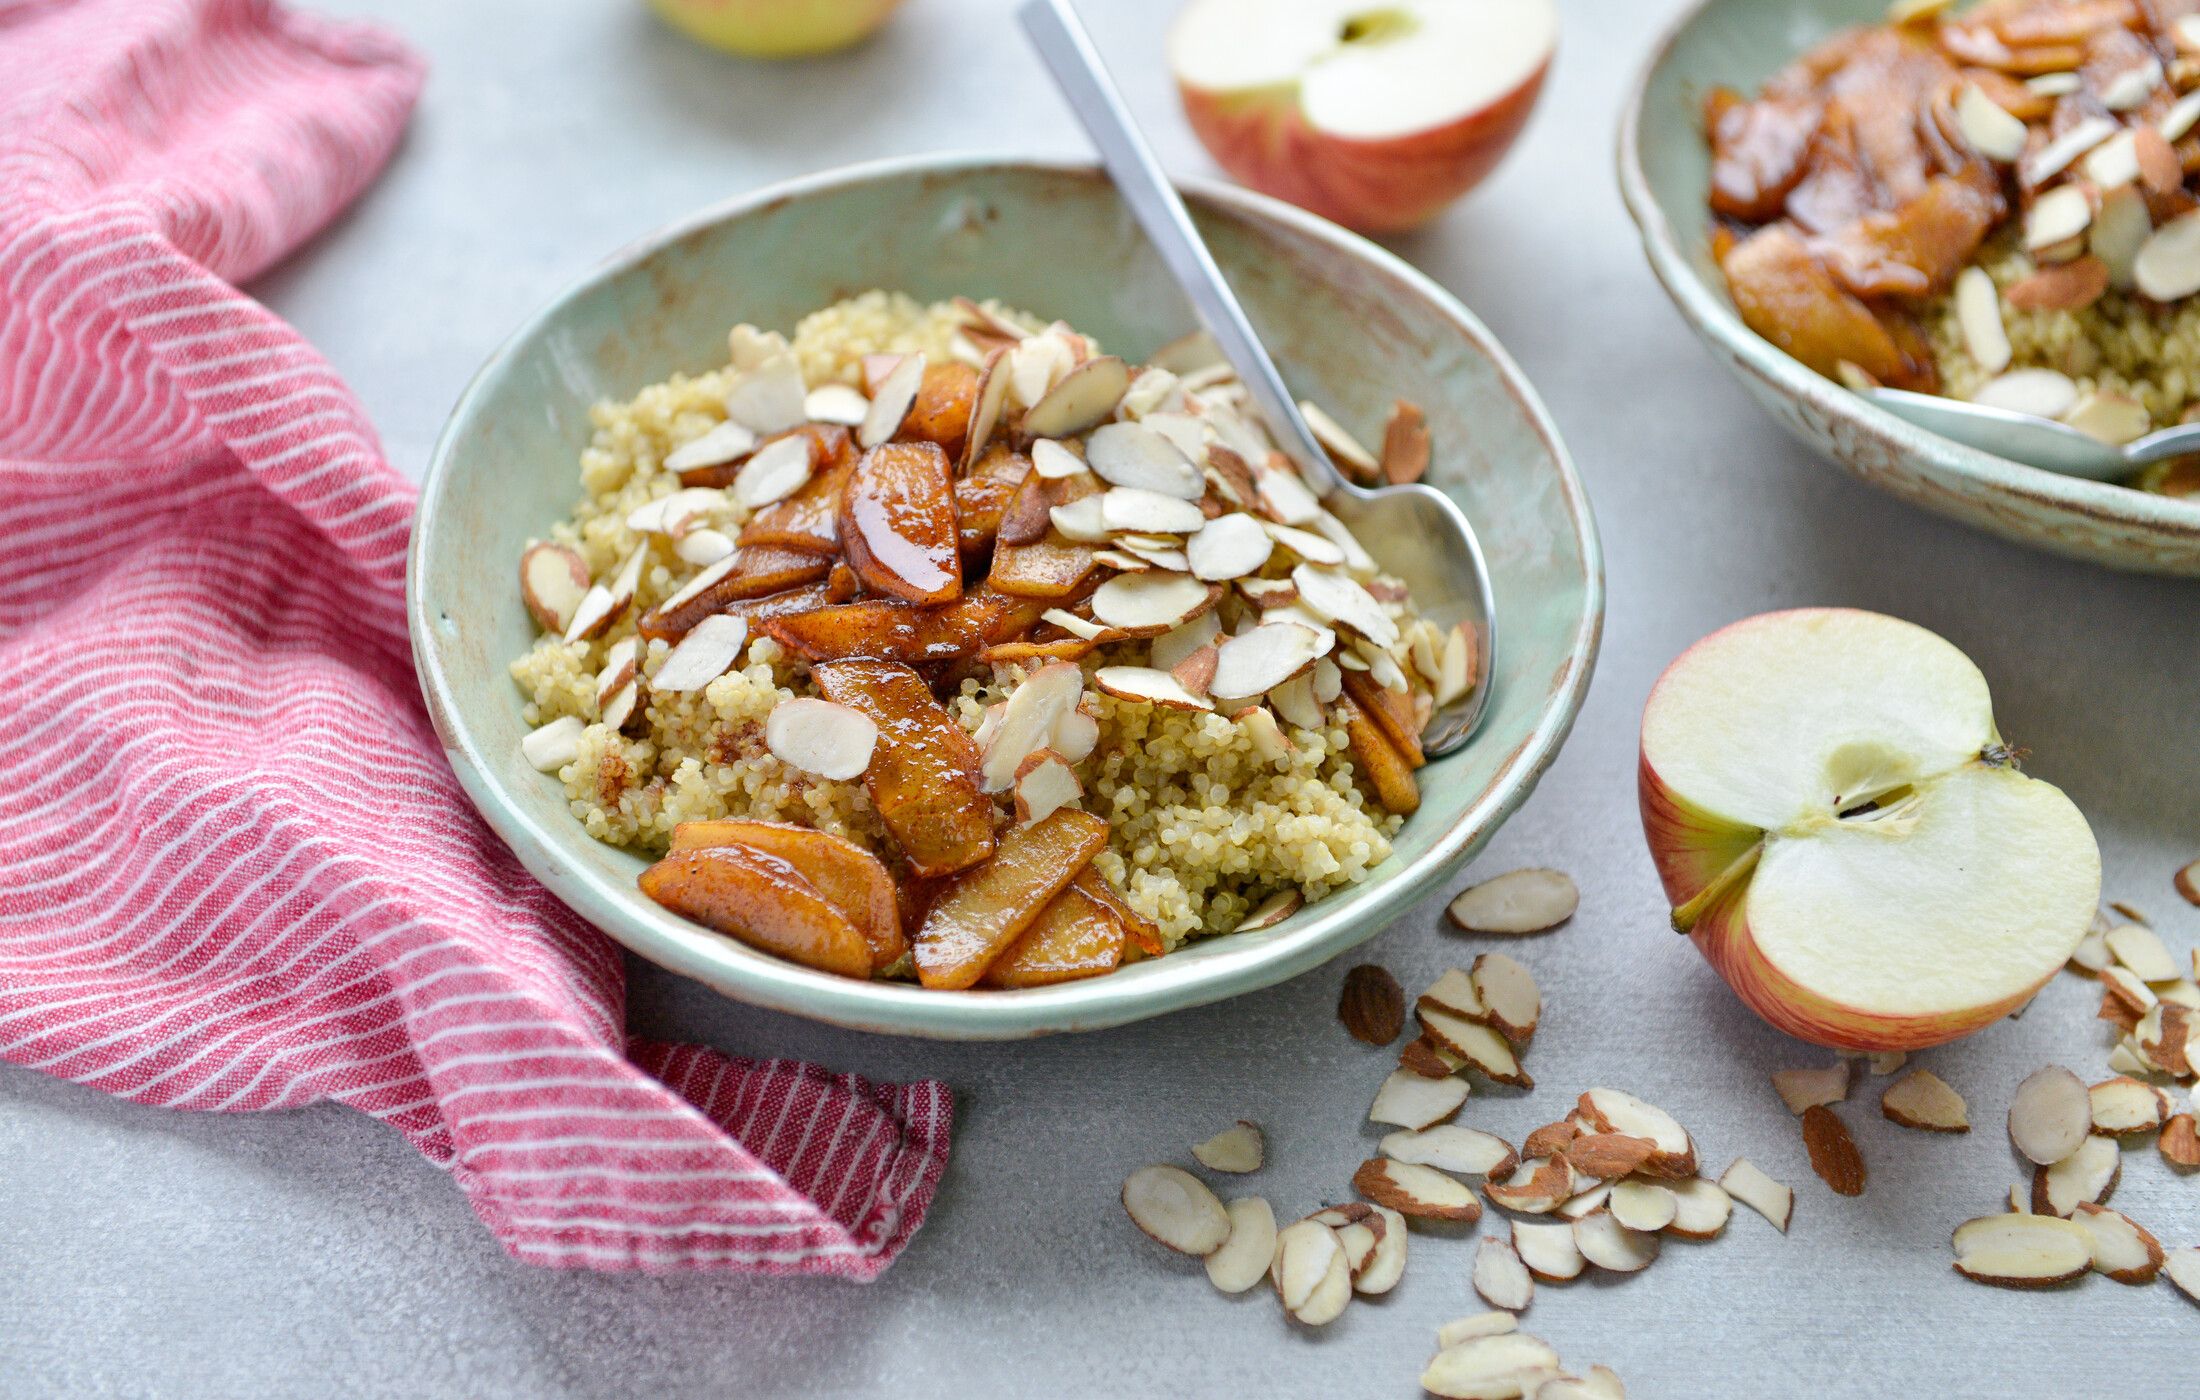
(1075, 936)
(923, 777)
(807, 521)
(885, 629)
(983, 912)
(1144, 936)
(897, 523)
(941, 412)
(742, 575)
(1391, 709)
(983, 497)
(849, 877)
(761, 900)
(1379, 760)
(1846, 837)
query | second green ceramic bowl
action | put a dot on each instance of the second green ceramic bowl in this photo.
(1665, 173)
(1352, 326)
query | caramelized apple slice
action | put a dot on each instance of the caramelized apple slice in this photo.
(1144, 935)
(941, 414)
(985, 910)
(849, 878)
(881, 629)
(808, 521)
(1379, 760)
(923, 776)
(897, 523)
(1393, 710)
(744, 574)
(983, 497)
(1075, 936)
(762, 901)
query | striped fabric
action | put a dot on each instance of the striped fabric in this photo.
(235, 871)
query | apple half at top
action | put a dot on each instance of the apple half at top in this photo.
(1847, 839)
(1374, 113)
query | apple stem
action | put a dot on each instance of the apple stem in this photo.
(1686, 917)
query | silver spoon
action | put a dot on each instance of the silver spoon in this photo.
(1421, 536)
(2032, 440)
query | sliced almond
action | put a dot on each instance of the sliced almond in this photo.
(2088, 1174)
(2141, 949)
(778, 469)
(2050, 1115)
(1477, 1045)
(2124, 1058)
(1978, 316)
(2187, 881)
(1313, 548)
(1537, 1186)
(1616, 1111)
(1804, 1088)
(1030, 720)
(603, 605)
(1700, 1208)
(1601, 1383)
(1245, 1255)
(835, 403)
(1280, 494)
(1228, 547)
(1236, 1148)
(1035, 364)
(2122, 1249)
(1922, 1099)
(2109, 417)
(703, 547)
(553, 578)
(1642, 1205)
(1409, 1100)
(1175, 1208)
(1294, 701)
(707, 652)
(551, 746)
(1887, 1061)
(2124, 985)
(2179, 1143)
(1174, 646)
(2053, 158)
(1416, 1191)
(1080, 520)
(1405, 444)
(1504, 1367)
(1548, 1251)
(2125, 1105)
(1833, 1153)
(1045, 784)
(1745, 1182)
(1426, 1058)
(1268, 739)
(2091, 954)
(1586, 1202)
(1337, 598)
(1550, 1140)
(1133, 508)
(2132, 86)
(891, 401)
(2022, 1251)
(1454, 992)
(1081, 398)
(1608, 1244)
(1311, 1273)
(1256, 662)
(1608, 1156)
(1372, 1005)
(1357, 461)
(1266, 593)
(1461, 651)
(727, 442)
(1452, 1148)
(1992, 132)
(1150, 604)
(1500, 1276)
(1147, 686)
(1271, 911)
(768, 399)
(1463, 1329)
(1517, 902)
(986, 406)
(823, 737)
(1509, 996)
(2168, 265)
(2183, 1268)
(1386, 1263)
(2043, 393)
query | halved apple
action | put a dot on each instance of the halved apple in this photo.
(1375, 113)
(1847, 838)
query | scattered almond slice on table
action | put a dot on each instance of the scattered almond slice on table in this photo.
(1511, 1002)
(2122, 1249)
(1746, 1182)
(2087, 1174)
(1609, 1244)
(1922, 1099)
(1416, 1101)
(2124, 1105)
(1517, 902)
(1311, 1274)
(1237, 1148)
(2022, 1251)
(1537, 1186)
(1463, 1329)
(1175, 1208)
(1244, 1256)
(2179, 1143)
(1416, 1191)
(1547, 1250)
(1449, 1147)
(1608, 1156)
(1801, 1089)
(1504, 1366)
(2050, 1115)
(1500, 1276)
(1700, 1209)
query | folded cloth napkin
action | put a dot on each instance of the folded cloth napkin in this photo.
(235, 871)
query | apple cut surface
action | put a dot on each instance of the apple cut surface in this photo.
(1846, 838)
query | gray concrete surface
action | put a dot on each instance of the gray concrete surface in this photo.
(312, 1253)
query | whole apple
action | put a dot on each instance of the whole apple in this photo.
(776, 28)
(1374, 113)
(1846, 837)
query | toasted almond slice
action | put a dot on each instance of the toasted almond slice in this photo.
(780, 468)
(1500, 1277)
(1803, 1088)
(1355, 459)
(1121, 562)
(553, 745)
(2091, 954)
(2049, 1115)
(1148, 686)
(1135, 509)
(1149, 603)
(2087, 1174)
(708, 650)
(1245, 1255)
(728, 442)
(1608, 1156)
(2133, 85)
(1386, 1264)
(1339, 599)
(1313, 548)
(1409, 1100)
(1456, 993)
(1607, 1243)
(1371, 1005)
(1045, 784)
(2123, 984)
(1256, 662)
(1228, 547)
(2162, 1037)
(2125, 1105)
(1586, 1202)
(1281, 496)
(1173, 646)
(1550, 1140)
(1700, 1208)
(2022, 1251)
(1175, 1208)
(1309, 1271)
(1538, 1186)
(2122, 1248)
(1643, 1205)
(1236, 1148)
(1509, 995)
(1055, 462)
(1478, 1045)
(1426, 1058)
(1081, 398)
(1415, 1191)
(1266, 593)
(1548, 1251)
(1616, 1111)
(835, 403)
(1271, 911)
(2043, 393)
(2179, 1143)
(553, 578)
(1518, 901)
(891, 401)
(1452, 1148)
(1922, 1099)
(1503, 1367)
(1463, 1329)
(2183, 1268)
(1744, 1182)
(2141, 949)
(1136, 456)
(2168, 265)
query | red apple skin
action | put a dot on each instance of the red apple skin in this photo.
(1382, 186)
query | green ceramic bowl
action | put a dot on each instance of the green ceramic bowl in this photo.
(1664, 173)
(1352, 325)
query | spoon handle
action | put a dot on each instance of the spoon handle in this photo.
(2170, 442)
(1068, 53)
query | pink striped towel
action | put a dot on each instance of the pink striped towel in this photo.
(235, 872)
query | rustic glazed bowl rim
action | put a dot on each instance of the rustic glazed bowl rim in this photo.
(1715, 316)
(1227, 968)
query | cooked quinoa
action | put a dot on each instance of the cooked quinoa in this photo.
(1201, 827)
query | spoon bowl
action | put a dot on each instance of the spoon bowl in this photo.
(2034, 441)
